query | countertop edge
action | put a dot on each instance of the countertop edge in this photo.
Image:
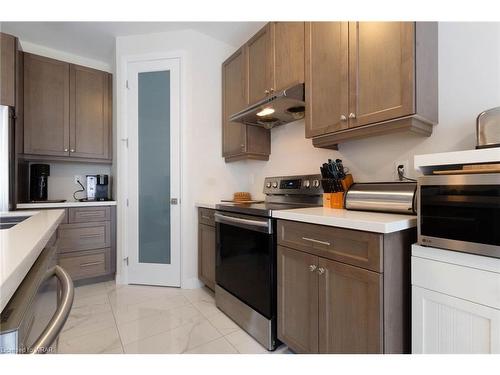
(23, 206)
(210, 205)
(356, 224)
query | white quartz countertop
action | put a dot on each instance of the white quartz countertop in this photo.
(359, 220)
(210, 205)
(22, 206)
(20, 247)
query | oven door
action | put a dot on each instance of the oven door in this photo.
(460, 212)
(246, 260)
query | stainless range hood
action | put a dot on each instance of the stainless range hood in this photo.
(277, 109)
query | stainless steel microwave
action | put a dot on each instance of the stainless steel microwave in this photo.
(460, 212)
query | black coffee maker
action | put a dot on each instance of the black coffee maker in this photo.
(39, 174)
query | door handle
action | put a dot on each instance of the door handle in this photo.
(174, 201)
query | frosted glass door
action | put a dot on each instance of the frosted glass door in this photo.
(153, 174)
(154, 166)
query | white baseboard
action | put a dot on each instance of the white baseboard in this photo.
(191, 283)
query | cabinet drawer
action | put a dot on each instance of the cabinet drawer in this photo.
(358, 248)
(84, 236)
(89, 214)
(206, 216)
(86, 264)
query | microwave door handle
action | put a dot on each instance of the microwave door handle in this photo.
(56, 324)
(258, 225)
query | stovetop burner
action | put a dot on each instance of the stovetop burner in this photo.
(282, 193)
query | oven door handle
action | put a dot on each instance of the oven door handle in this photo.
(56, 324)
(261, 226)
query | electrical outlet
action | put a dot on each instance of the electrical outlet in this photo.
(406, 170)
(78, 178)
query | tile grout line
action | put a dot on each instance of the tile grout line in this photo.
(116, 324)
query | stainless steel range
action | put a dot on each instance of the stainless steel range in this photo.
(246, 253)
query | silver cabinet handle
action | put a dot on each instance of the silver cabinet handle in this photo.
(72, 150)
(352, 115)
(257, 225)
(316, 241)
(65, 150)
(321, 270)
(312, 267)
(343, 118)
(56, 324)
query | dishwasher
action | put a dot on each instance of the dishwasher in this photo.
(35, 315)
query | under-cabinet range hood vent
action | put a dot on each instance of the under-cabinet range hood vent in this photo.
(276, 109)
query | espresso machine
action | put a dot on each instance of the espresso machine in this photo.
(97, 187)
(39, 174)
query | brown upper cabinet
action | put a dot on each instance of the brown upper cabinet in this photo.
(67, 111)
(8, 45)
(90, 113)
(327, 69)
(260, 64)
(273, 59)
(369, 78)
(239, 141)
(46, 106)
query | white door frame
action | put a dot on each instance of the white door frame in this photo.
(124, 250)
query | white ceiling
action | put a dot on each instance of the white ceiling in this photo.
(96, 40)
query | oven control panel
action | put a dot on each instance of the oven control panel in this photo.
(304, 184)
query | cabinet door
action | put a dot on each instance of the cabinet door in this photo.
(90, 114)
(206, 255)
(260, 64)
(234, 99)
(46, 106)
(327, 67)
(381, 71)
(350, 316)
(298, 300)
(448, 325)
(7, 69)
(288, 54)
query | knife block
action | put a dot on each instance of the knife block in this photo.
(336, 200)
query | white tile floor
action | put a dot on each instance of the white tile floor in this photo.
(107, 318)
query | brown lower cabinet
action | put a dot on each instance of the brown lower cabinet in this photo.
(87, 243)
(206, 247)
(328, 303)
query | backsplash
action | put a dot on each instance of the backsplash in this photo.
(61, 183)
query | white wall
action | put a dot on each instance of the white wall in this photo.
(469, 82)
(205, 175)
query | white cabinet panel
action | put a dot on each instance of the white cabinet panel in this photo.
(445, 324)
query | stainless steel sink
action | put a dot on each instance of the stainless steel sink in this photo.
(7, 222)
